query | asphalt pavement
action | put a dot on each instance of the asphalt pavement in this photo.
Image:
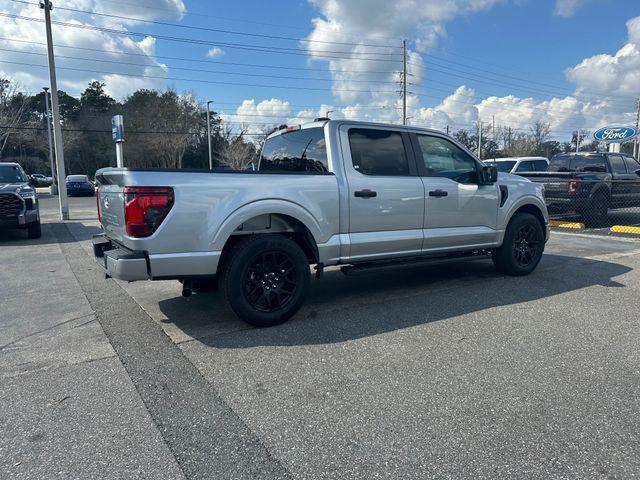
(442, 372)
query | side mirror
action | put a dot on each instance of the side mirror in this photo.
(488, 175)
(638, 172)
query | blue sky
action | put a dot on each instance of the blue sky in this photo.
(510, 60)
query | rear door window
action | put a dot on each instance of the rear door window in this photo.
(539, 165)
(578, 163)
(617, 164)
(632, 165)
(526, 166)
(504, 166)
(298, 151)
(588, 164)
(378, 152)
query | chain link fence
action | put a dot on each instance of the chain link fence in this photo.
(595, 204)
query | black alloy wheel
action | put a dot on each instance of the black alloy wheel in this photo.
(270, 281)
(526, 245)
(265, 279)
(522, 246)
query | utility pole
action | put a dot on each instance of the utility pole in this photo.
(404, 82)
(509, 138)
(209, 133)
(54, 187)
(635, 139)
(57, 131)
(578, 140)
(493, 128)
(479, 139)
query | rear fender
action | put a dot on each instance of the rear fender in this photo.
(247, 212)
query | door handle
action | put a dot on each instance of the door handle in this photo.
(438, 193)
(366, 193)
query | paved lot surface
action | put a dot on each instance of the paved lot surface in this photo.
(442, 372)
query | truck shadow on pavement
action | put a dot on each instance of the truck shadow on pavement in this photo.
(18, 238)
(341, 308)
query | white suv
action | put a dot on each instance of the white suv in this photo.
(519, 164)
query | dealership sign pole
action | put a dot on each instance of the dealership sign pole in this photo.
(117, 131)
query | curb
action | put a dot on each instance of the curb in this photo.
(625, 229)
(569, 225)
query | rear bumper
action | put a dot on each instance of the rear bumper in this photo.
(125, 264)
(119, 262)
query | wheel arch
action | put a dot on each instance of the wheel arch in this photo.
(532, 209)
(268, 218)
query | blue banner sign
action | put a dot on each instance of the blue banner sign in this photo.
(117, 128)
(615, 134)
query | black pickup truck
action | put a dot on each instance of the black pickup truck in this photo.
(590, 184)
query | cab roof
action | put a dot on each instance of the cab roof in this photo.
(321, 122)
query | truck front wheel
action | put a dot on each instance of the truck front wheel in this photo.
(34, 230)
(522, 247)
(265, 279)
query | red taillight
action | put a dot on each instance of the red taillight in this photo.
(145, 208)
(574, 185)
(98, 205)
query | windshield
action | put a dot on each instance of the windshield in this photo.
(11, 174)
(504, 166)
(77, 178)
(298, 151)
(577, 163)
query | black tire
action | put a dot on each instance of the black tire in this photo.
(265, 279)
(597, 213)
(522, 247)
(34, 230)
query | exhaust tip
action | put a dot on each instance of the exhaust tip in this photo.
(187, 292)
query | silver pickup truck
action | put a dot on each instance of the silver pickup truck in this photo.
(361, 195)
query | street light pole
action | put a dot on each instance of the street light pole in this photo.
(57, 131)
(54, 187)
(209, 133)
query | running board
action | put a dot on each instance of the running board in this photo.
(381, 266)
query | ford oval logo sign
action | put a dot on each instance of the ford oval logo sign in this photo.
(615, 134)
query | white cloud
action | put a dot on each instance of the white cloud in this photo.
(257, 117)
(75, 73)
(345, 31)
(567, 8)
(215, 52)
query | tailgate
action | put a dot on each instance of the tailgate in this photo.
(111, 206)
(555, 184)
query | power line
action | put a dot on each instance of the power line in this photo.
(214, 30)
(261, 75)
(198, 80)
(129, 132)
(103, 72)
(484, 70)
(252, 47)
(218, 62)
(431, 69)
(238, 20)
